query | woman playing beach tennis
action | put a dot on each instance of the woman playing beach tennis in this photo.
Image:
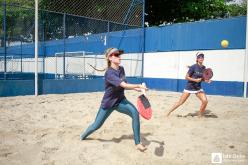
(194, 77)
(114, 98)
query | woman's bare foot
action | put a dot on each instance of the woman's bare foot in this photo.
(200, 114)
(140, 147)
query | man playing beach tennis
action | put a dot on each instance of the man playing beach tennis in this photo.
(114, 98)
(194, 77)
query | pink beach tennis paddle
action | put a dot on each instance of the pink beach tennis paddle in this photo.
(144, 106)
(207, 74)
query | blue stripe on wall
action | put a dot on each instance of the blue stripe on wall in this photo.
(225, 88)
(26, 87)
(130, 40)
(75, 86)
(72, 86)
(16, 87)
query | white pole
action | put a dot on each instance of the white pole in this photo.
(84, 65)
(36, 48)
(246, 55)
(56, 72)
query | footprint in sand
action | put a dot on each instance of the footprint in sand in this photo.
(82, 159)
(179, 155)
(5, 152)
(48, 152)
(60, 133)
(19, 131)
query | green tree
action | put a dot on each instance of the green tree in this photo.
(237, 9)
(19, 20)
(174, 11)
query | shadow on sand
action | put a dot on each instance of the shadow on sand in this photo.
(159, 151)
(207, 114)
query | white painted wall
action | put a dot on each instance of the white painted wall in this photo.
(227, 65)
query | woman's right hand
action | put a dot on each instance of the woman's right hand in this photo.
(198, 80)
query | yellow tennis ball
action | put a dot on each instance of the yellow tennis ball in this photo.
(224, 43)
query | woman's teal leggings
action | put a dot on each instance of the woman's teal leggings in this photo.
(125, 107)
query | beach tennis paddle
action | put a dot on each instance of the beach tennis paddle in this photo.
(207, 74)
(144, 106)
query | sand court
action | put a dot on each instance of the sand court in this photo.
(45, 130)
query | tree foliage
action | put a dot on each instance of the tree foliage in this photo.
(174, 11)
(20, 13)
(236, 10)
(19, 20)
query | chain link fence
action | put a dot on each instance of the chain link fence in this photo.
(73, 36)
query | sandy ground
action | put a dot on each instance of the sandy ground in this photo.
(45, 130)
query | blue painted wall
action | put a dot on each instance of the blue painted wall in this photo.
(129, 40)
(16, 87)
(26, 87)
(226, 88)
(205, 35)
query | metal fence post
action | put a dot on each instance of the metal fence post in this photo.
(36, 45)
(64, 36)
(4, 40)
(21, 55)
(84, 65)
(143, 46)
